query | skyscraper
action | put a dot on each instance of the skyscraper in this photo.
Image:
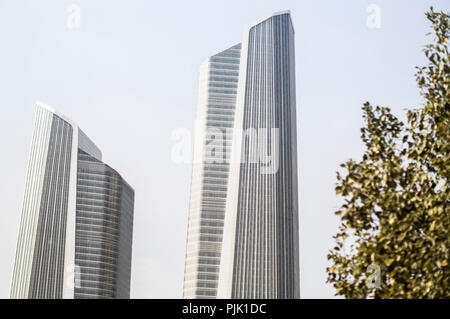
(260, 249)
(258, 228)
(218, 82)
(75, 233)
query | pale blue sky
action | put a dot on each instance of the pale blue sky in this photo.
(128, 77)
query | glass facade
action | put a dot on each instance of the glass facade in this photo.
(48, 259)
(76, 225)
(218, 86)
(103, 235)
(261, 249)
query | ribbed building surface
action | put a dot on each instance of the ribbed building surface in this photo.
(218, 82)
(63, 245)
(46, 261)
(261, 250)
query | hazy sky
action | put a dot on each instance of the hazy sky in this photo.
(128, 77)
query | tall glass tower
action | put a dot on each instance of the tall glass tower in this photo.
(75, 233)
(260, 256)
(257, 204)
(218, 82)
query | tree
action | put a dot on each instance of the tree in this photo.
(394, 236)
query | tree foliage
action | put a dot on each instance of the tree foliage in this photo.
(395, 215)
